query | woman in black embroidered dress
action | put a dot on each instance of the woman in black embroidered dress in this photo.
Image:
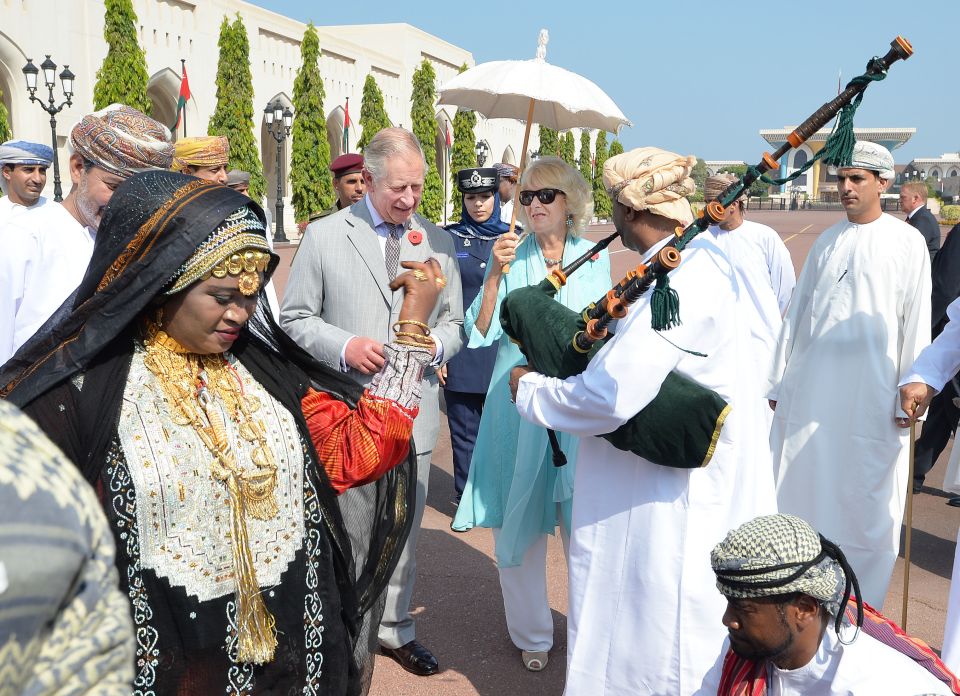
(218, 447)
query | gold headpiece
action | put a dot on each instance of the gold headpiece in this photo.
(233, 249)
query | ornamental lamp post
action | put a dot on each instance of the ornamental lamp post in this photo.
(482, 151)
(30, 74)
(279, 121)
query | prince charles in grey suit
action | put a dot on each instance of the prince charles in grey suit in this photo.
(339, 307)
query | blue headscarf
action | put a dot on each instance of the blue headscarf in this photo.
(471, 229)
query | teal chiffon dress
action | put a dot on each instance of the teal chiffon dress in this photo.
(513, 484)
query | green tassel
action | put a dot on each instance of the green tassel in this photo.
(664, 305)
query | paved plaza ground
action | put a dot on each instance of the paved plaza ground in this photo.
(457, 599)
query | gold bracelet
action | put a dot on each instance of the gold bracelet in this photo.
(412, 322)
(411, 344)
(423, 338)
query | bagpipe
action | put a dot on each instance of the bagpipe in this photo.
(682, 424)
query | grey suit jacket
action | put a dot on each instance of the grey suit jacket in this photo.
(338, 288)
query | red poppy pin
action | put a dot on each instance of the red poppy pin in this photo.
(415, 237)
(595, 256)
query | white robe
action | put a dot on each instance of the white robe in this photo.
(10, 211)
(865, 667)
(859, 317)
(46, 253)
(783, 278)
(645, 614)
(747, 249)
(935, 366)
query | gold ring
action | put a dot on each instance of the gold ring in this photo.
(441, 281)
(419, 275)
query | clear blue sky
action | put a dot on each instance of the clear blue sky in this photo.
(703, 77)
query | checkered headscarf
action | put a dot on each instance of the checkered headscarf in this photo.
(780, 555)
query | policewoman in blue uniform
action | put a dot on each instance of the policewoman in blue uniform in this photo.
(468, 374)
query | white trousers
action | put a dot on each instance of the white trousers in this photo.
(525, 603)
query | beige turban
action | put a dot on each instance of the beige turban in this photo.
(649, 178)
(717, 184)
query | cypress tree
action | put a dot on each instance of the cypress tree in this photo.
(310, 176)
(122, 77)
(699, 176)
(549, 142)
(233, 116)
(583, 162)
(6, 132)
(425, 128)
(602, 205)
(463, 155)
(615, 148)
(568, 149)
(373, 114)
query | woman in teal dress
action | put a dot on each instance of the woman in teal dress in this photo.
(513, 485)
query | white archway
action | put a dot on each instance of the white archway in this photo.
(508, 156)
(15, 95)
(335, 121)
(163, 88)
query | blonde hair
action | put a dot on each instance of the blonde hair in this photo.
(553, 172)
(917, 188)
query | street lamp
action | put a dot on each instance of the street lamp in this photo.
(30, 74)
(279, 121)
(482, 151)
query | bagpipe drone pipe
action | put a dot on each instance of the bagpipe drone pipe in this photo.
(680, 427)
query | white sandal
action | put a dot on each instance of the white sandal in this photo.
(534, 660)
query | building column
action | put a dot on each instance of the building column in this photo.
(783, 171)
(816, 179)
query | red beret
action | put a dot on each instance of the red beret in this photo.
(346, 164)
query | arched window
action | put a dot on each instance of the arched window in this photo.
(800, 158)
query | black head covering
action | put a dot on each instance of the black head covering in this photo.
(478, 180)
(154, 222)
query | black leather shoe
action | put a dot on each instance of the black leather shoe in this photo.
(414, 658)
(917, 487)
(954, 501)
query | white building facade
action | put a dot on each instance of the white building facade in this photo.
(71, 31)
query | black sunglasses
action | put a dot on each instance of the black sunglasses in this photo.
(544, 195)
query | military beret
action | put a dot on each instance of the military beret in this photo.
(346, 164)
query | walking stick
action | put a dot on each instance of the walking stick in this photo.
(909, 522)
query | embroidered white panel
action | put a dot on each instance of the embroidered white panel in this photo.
(183, 514)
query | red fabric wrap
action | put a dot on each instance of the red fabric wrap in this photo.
(743, 677)
(357, 446)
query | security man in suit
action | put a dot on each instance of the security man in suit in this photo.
(467, 376)
(913, 201)
(339, 307)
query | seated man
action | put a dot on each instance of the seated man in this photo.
(787, 590)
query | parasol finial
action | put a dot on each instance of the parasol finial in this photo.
(542, 40)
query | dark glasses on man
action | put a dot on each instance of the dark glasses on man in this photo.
(544, 195)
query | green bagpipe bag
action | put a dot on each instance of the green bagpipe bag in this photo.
(679, 428)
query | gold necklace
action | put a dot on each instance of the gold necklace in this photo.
(190, 383)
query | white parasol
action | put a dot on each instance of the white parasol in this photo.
(534, 91)
(560, 99)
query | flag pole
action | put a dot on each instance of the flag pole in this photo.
(346, 128)
(183, 71)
